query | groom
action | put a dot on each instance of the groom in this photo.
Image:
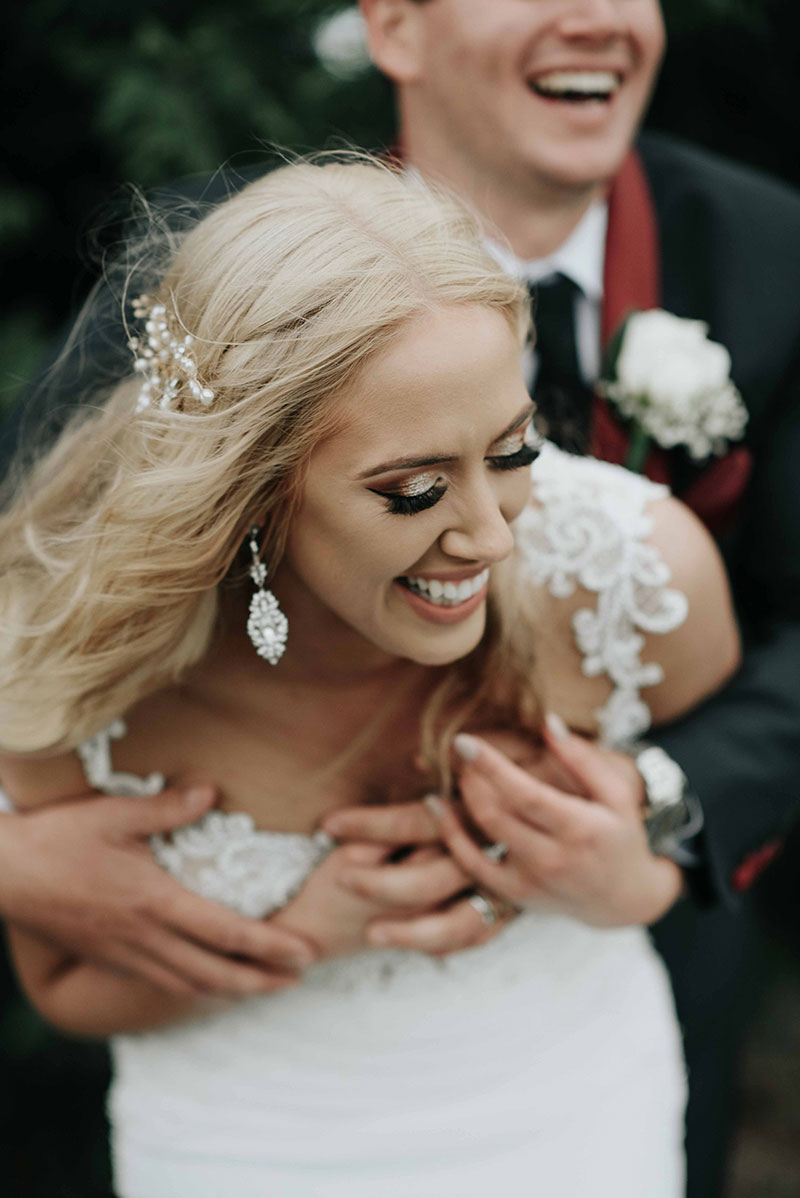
(532, 112)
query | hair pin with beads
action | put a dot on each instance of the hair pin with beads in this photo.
(164, 358)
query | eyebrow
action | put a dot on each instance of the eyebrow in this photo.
(441, 459)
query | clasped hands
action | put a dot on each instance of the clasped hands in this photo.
(81, 873)
(570, 820)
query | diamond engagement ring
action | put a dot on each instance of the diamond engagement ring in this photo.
(496, 852)
(484, 907)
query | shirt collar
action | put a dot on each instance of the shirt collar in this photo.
(581, 257)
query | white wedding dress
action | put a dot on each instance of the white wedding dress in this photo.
(545, 1063)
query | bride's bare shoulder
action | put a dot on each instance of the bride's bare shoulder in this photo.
(624, 575)
(35, 780)
(705, 650)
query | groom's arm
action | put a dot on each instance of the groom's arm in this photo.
(741, 749)
(741, 754)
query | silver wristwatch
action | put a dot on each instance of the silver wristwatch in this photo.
(673, 815)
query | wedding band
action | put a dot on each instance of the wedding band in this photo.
(484, 907)
(496, 852)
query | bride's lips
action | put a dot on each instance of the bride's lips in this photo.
(442, 615)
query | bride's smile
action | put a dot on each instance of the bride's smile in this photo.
(408, 505)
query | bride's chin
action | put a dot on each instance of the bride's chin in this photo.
(444, 654)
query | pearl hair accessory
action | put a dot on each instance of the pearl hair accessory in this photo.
(267, 626)
(164, 357)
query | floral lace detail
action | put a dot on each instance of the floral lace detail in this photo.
(590, 530)
(95, 756)
(222, 856)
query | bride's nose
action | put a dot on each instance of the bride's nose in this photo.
(481, 532)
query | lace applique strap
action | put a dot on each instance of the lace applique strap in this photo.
(95, 756)
(591, 530)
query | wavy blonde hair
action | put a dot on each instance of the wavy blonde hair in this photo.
(112, 552)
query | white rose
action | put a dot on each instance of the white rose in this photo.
(669, 358)
(675, 383)
(340, 43)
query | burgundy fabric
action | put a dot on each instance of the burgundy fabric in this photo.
(632, 281)
(754, 865)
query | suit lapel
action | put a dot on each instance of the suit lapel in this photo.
(631, 282)
(650, 262)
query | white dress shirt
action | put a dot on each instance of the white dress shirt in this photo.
(581, 258)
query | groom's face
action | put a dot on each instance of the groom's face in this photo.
(551, 90)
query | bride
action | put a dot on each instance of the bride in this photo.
(282, 554)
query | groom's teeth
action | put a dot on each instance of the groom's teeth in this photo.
(578, 84)
(448, 594)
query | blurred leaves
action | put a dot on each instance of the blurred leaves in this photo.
(97, 96)
(689, 14)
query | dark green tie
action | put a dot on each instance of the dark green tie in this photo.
(562, 397)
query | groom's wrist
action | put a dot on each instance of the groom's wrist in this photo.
(673, 816)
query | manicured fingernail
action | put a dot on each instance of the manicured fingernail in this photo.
(198, 794)
(466, 746)
(556, 726)
(334, 825)
(434, 805)
(378, 936)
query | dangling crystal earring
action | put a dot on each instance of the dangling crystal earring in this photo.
(267, 626)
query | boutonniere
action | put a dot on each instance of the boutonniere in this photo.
(673, 384)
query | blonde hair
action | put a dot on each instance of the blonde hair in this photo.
(112, 552)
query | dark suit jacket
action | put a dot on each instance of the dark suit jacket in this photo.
(730, 252)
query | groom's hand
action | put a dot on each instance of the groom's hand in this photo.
(81, 874)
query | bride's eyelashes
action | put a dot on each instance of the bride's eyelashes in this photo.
(415, 499)
(524, 456)
(522, 448)
(410, 502)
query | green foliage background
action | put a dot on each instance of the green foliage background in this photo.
(98, 96)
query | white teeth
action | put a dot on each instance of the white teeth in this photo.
(584, 83)
(448, 594)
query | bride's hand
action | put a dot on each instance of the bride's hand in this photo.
(585, 857)
(590, 859)
(361, 888)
